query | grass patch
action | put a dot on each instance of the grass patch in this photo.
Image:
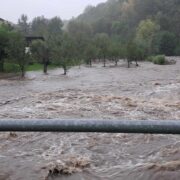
(14, 68)
(39, 67)
(11, 68)
(34, 67)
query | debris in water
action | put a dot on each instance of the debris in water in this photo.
(157, 84)
(168, 166)
(12, 135)
(73, 165)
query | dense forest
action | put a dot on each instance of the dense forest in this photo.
(123, 20)
(118, 29)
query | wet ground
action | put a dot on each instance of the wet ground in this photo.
(146, 92)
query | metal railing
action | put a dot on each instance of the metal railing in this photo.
(99, 126)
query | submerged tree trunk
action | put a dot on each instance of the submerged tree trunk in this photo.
(65, 70)
(116, 62)
(45, 68)
(2, 54)
(22, 71)
(128, 63)
(46, 60)
(1, 65)
(90, 62)
(104, 61)
(136, 62)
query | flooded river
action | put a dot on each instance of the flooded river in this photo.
(147, 92)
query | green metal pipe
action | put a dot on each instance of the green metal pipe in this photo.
(99, 126)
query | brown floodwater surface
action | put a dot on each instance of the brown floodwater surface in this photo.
(146, 92)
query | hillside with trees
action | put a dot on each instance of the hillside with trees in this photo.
(121, 19)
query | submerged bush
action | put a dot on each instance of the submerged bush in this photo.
(150, 58)
(159, 59)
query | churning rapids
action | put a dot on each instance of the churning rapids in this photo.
(147, 92)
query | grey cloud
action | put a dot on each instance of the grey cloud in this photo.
(66, 9)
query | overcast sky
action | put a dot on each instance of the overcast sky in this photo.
(66, 9)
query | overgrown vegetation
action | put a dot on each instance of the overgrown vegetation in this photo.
(11, 68)
(159, 59)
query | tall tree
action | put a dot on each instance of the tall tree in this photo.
(64, 52)
(23, 24)
(81, 33)
(4, 38)
(55, 26)
(102, 43)
(91, 53)
(167, 43)
(145, 35)
(41, 53)
(39, 26)
(116, 51)
(16, 51)
(133, 53)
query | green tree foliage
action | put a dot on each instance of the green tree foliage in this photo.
(23, 24)
(39, 26)
(167, 43)
(4, 38)
(120, 19)
(41, 53)
(91, 53)
(81, 33)
(145, 35)
(115, 52)
(102, 43)
(55, 26)
(64, 52)
(54, 30)
(133, 53)
(16, 51)
(120, 29)
(51, 30)
(48, 28)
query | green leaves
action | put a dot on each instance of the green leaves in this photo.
(23, 24)
(4, 37)
(38, 49)
(102, 43)
(63, 52)
(145, 35)
(167, 43)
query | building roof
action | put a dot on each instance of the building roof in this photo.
(2, 20)
(31, 38)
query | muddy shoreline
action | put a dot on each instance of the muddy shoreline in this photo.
(147, 92)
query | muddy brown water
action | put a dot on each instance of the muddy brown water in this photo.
(147, 92)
